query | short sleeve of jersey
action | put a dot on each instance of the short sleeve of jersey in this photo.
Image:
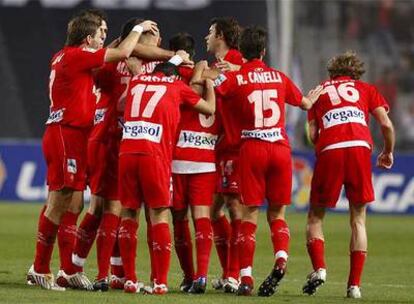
(293, 94)
(311, 114)
(224, 83)
(377, 100)
(187, 95)
(88, 59)
(104, 77)
(185, 74)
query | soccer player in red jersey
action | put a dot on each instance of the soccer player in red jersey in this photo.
(102, 218)
(71, 92)
(222, 41)
(339, 128)
(151, 118)
(194, 181)
(257, 95)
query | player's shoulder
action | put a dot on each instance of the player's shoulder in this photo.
(234, 56)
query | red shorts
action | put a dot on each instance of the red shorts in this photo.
(266, 172)
(65, 152)
(350, 167)
(103, 168)
(228, 172)
(144, 179)
(193, 189)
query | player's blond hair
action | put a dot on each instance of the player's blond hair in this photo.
(346, 64)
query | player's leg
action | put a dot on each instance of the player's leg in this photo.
(150, 244)
(358, 248)
(155, 185)
(182, 236)
(131, 197)
(222, 233)
(57, 204)
(247, 247)
(234, 206)
(86, 234)
(253, 162)
(201, 191)
(327, 181)
(105, 242)
(359, 191)
(67, 235)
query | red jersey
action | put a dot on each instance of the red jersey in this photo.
(72, 92)
(113, 81)
(152, 113)
(256, 97)
(197, 137)
(231, 137)
(342, 113)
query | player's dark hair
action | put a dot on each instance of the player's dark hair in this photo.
(253, 42)
(129, 25)
(183, 41)
(92, 12)
(229, 28)
(167, 68)
(81, 27)
(346, 64)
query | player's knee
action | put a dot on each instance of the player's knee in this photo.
(127, 213)
(180, 215)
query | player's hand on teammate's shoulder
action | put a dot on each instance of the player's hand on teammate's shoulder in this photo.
(314, 94)
(225, 66)
(186, 58)
(202, 64)
(385, 160)
(150, 26)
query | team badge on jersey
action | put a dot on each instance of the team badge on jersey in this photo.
(71, 167)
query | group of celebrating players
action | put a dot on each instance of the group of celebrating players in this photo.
(147, 128)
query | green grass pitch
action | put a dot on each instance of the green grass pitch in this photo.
(388, 275)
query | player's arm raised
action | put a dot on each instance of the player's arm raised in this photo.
(311, 98)
(385, 158)
(125, 48)
(207, 105)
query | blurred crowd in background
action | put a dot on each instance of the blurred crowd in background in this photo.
(382, 33)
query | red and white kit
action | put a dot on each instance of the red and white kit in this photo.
(228, 147)
(344, 142)
(103, 146)
(152, 113)
(73, 100)
(257, 95)
(194, 159)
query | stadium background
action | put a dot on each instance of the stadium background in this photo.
(302, 36)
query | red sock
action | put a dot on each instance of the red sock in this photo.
(151, 251)
(357, 265)
(46, 235)
(84, 241)
(204, 242)
(117, 267)
(316, 251)
(247, 244)
(127, 237)
(105, 241)
(66, 239)
(280, 240)
(233, 258)
(222, 235)
(162, 251)
(184, 247)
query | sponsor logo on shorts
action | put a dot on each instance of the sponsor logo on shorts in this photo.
(198, 140)
(142, 130)
(99, 115)
(72, 168)
(270, 135)
(342, 116)
(55, 116)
